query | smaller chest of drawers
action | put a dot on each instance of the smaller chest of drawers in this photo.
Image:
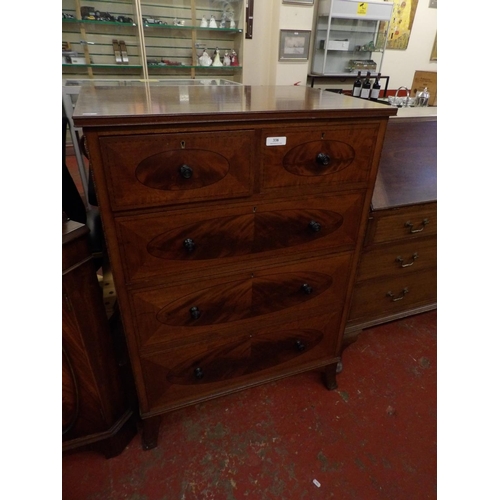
(397, 269)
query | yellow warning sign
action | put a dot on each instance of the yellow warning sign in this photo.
(362, 8)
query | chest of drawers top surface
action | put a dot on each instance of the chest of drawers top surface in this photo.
(407, 172)
(154, 105)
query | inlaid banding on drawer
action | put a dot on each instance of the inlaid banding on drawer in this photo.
(176, 170)
(324, 155)
(245, 234)
(230, 303)
(244, 299)
(244, 357)
(186, 374)
(177, 243)
(153, 170)
(319, 158)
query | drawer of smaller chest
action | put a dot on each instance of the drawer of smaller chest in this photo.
(185, 375)
(397, 258)
(330, 155)
(161, 169)
(192, 242)
(227, 303)
(391, 295)
(402, 223)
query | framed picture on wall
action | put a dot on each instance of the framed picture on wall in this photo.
(304, 2)
(294, 45)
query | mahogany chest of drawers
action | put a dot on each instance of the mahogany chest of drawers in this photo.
(233, 218)
(397, 270)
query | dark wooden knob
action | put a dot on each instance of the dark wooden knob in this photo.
(198, 373)
(314, 226)
(186, 171)
(306, 289)
(189, 244)
(194, 312)
(323, 159)
(299, 345)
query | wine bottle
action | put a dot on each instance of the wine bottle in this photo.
(365, 88)
(375, 89)
(356, 88)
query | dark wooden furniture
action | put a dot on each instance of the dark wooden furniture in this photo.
(397, 271)
(234, 217)
(97, 412)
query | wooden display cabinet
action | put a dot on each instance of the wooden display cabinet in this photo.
(150, 40)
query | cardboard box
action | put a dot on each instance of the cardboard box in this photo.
(335, 44)
(422, 79)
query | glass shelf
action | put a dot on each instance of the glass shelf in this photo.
(191, 28)
(114, 66)
(181, 66)
(96, 21)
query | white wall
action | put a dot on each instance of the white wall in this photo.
(270, 16)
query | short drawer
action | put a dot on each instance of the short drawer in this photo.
(163, 169)
(329, 155)
(200, 309)
(184, 242)
(382, 297)
(402, 223)
(398, 258)
(190, 374)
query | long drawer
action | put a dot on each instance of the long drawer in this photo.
(203, 309)
(163, 169)
(402, 223)
(180, 376)
(180, 244)
(329, 155)
(398, 258)
(382, 297)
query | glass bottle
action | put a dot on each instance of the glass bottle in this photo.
(365, 88)
(374, 94)
(356, 88)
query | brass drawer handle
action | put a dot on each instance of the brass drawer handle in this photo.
(413, 231)
(401, 260)
(401, 295)
(323, 159)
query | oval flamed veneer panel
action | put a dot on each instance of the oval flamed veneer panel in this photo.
(319, 158)
(244, 356)
(177, 170)
(245, 234)
(244, 299)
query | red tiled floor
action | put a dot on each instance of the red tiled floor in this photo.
(372, 438)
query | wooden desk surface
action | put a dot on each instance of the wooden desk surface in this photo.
(408, 166)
